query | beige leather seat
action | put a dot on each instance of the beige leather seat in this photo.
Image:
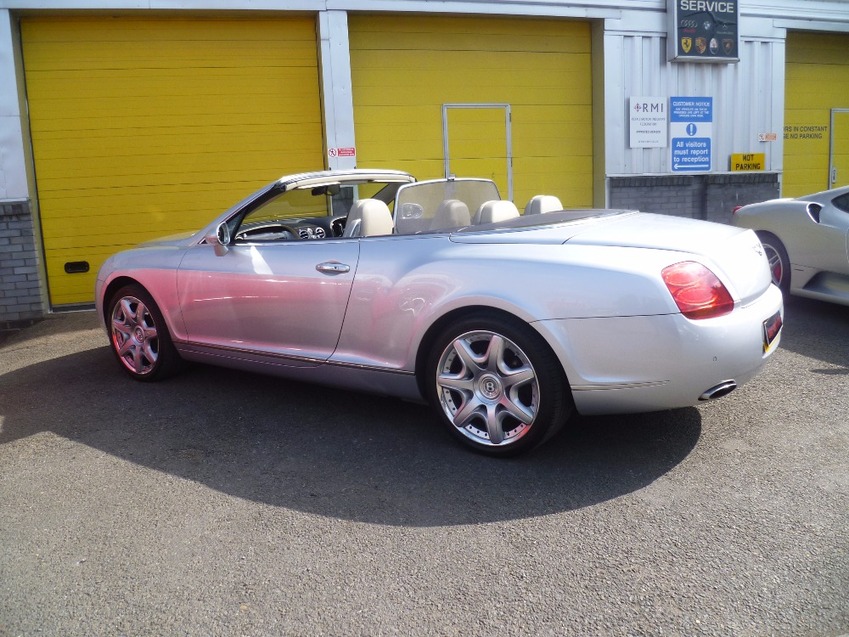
(368, 218)
(452, 213)
(495, 211)
(542, 204)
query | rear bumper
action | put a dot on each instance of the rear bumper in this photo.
(649, 363)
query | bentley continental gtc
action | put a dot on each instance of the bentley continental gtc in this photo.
(440, 291)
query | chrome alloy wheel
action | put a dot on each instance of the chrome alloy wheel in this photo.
(776, 265)
(779, 262)
(134, 335)
(487, 388)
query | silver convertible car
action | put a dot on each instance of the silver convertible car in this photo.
(440, 291)
(807, 242)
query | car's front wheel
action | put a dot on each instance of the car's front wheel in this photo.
(779, 262)
(497, 385)
(138, 335)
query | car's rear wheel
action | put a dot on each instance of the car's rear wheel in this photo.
(497, 385)
(779, 262)
(139, 336)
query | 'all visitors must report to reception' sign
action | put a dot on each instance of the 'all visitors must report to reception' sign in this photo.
(690, 129)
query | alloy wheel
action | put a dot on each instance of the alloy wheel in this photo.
(134, 335)
(488, 388)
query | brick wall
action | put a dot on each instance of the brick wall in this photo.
(725, 192)
(20, 288)
(711, 197)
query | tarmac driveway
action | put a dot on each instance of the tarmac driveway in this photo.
(224, 503)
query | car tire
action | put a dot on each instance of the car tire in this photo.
(139, 337)
(779, 262)
(497, 385)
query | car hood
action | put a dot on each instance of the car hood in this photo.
(181, 239)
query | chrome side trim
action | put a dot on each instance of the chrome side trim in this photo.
(190, 347)
(607, 386)
(273, 358)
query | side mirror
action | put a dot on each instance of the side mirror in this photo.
(220, 240)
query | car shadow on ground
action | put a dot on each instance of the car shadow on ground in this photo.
(331, 452)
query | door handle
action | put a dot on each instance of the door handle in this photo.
(333, 267)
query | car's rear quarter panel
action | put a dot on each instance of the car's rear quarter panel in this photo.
(604, 311)
(404, 287)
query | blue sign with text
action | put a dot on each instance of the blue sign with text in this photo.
(690, 127)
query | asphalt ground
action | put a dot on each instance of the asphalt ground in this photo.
(224, 503)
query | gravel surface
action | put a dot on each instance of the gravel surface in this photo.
(223, 503)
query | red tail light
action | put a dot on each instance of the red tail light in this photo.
(697, 291)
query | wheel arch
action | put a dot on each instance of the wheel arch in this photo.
(142, 345)
(173, 323)
(771, 235)
(437, 327)
(109, 291)
(770, 238)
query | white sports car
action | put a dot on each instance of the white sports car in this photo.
(807, 242)
(441, 291)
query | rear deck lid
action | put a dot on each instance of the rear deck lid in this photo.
(733, 254)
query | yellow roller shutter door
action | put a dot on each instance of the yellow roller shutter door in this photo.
(817, 81)
(146, 127)
(404, 68)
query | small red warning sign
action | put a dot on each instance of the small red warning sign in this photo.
(348, 151)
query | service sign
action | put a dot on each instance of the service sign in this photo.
(703, 30)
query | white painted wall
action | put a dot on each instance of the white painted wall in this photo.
(748, 96)
(13, 177)
(337, 88)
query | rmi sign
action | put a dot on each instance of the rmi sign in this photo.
(649, 119)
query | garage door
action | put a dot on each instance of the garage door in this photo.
(145, 127)
(817, 82)
(406, 68)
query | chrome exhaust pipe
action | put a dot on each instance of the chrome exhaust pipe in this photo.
(718, 391)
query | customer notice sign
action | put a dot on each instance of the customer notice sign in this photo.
(691, 132)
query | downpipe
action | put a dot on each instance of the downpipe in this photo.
(718, 391)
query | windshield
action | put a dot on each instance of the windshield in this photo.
(272, 216)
